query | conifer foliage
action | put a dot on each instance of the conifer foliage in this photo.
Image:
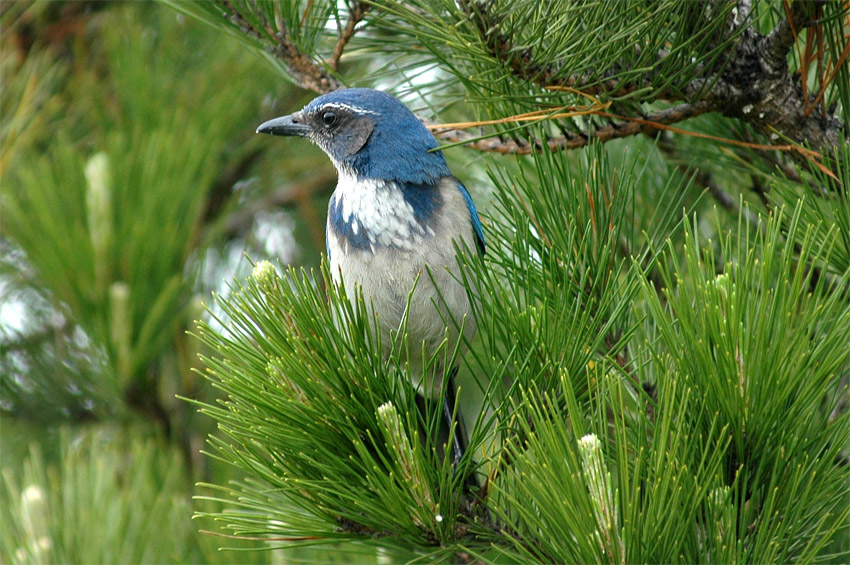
(661, 367)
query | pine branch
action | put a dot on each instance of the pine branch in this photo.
(778, 42)
(739, 73)
(238, 20)
(574, 140)
(358, 11)
(757, 88)
(754, 85)
(305, 393)
(306, 73)
(276, 42)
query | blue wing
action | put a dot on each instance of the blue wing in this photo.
(473, 215)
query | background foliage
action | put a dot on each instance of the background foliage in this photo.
(661, 367)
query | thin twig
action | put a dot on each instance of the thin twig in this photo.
(235, 17)
(304, 71)
(705, 179)
(357, 13)
(573, 140)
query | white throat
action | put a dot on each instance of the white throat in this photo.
(379, 208)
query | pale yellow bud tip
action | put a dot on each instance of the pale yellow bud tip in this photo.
(264, 273)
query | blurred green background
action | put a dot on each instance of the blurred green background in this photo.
(134, 186)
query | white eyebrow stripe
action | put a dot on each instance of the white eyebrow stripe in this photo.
(349, 107)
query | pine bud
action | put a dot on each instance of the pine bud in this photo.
(722, 514)
(121, 328)
(100, 221)
(265, 274)
(602, 497)
(409, 465)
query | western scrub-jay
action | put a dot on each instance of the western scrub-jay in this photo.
(396, 215)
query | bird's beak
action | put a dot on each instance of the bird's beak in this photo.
(292, 124)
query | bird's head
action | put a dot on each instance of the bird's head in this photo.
(368, 134)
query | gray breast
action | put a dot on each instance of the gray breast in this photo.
(387, 273)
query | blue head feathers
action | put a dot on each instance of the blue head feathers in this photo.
(369, 135)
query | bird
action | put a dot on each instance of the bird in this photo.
(393, 224)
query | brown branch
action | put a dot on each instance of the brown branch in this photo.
(573, 140)
(706, 180)
(757, 88)
(357, 14)
(304, 71)
(236, 18)
(726, 200)
(779, 41)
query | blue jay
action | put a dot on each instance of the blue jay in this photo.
(396, 211)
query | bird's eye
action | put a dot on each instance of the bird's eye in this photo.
(329, 118)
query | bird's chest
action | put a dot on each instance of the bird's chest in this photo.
(418, 287)
(393, 280)
(385, 242)
(378, 237)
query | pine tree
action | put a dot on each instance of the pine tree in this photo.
(663, 351)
